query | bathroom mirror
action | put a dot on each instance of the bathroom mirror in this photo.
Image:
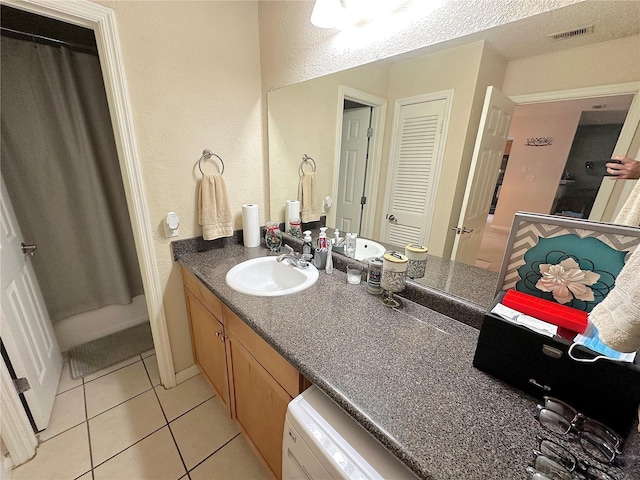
(518, 58)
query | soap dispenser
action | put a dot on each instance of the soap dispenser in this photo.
(322, 239)
(307, 246)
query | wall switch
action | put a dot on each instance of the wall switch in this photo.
(530, 178)
(524, 169)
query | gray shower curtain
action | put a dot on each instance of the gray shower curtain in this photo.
(61, 169)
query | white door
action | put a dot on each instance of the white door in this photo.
(413, 167)
(353, 167)
(27, 332)
(493, 132)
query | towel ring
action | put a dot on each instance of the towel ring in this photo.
(206, 154)
(307, 158)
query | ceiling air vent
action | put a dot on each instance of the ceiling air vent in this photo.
(571, 33)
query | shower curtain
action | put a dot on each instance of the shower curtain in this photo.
(60, 165)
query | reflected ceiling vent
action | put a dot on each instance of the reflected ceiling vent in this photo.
(576, 32)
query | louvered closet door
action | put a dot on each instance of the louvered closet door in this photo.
(414, 158)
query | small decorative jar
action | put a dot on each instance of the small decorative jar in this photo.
(374, 272)
(273, 236)
(394, 266)
(295, 227)
(417, 255)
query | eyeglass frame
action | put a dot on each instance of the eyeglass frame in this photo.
(576, 426)
(578, 465)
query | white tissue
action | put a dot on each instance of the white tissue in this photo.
(250, 225)
(511, 315)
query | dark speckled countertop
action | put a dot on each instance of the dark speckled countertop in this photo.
(405, 375)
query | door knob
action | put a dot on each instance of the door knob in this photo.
(460, 230)
(392, 219)
(28, 249)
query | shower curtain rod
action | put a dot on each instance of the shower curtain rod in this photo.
(35, 37)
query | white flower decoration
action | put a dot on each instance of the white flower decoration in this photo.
(566, 281)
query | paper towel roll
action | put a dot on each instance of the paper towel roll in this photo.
(292, 211)
(250, 225)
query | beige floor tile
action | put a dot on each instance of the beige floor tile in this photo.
(235, 460)
(154, 458)
(112, 368)
(122, 426)
(148, 353)
(66, 382)
(65, 456)
(182, 398)
(86, 476)
(202, 431)
(152, 368)
(68, 411)
(115, 388)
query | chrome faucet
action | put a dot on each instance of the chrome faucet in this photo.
(293, 258)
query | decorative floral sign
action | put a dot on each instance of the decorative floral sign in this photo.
(539, 142)
(566, 280)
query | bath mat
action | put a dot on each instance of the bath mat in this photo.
(106, 351)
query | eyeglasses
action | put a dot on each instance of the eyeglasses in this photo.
(596, 439)
(554, 462)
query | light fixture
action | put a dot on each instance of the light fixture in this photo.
(328, 13)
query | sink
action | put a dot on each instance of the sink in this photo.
(265, 277)
(367, 249)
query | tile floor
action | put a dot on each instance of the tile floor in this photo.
(120, 423)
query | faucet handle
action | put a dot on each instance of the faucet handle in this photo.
(288, 249)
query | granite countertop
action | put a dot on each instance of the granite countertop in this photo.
(405, 375)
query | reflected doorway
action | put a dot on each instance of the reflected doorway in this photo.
(354, 162)
(558, 184)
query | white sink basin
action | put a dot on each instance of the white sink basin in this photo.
(367, 249)
(265, 277)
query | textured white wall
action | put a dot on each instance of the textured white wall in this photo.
(605, 63)
(193, 74)
(293, 50)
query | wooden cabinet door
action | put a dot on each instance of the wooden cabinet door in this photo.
(208, 340)
(260, 405)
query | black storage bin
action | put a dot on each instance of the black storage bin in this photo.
(539, 365)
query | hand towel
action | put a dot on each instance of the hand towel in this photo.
(214, 211)
(617, 317)
(308, 198)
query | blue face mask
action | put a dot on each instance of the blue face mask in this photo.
(594, 343)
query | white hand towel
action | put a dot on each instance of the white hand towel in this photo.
(214, 211)
(308, 198)
(617, 317)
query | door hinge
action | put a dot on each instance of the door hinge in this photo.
(363, 200)
(369, 132)
(21, 384)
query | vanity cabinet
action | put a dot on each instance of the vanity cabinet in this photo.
(208, 338)
(253, 380)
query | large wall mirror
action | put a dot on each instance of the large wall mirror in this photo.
(558, 109)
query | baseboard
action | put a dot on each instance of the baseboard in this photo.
(187, 373)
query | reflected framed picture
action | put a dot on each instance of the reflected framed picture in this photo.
(569, 261)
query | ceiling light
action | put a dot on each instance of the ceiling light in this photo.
(328, 13)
